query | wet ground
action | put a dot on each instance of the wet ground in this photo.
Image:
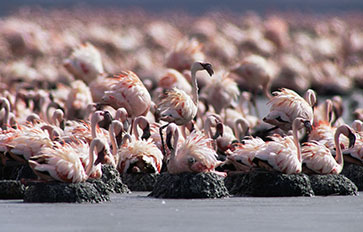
(137, 212)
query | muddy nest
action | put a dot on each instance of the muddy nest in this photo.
(324, 185)
(94, 190)
(189, 185)
(65, 192)
(260, 183)
(11, 189)
(354, 173)
(140, 181)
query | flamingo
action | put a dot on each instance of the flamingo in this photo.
(63, 163)
(137, 155)
(221, 91)
(177, 106)
(129, 92)
(241, 155)
(283, 154)
(287, 105)
(318, 159)
(78, 100)
(195, 154)
(256, 72)
(4, 103)
(355, 154)
(85, 63)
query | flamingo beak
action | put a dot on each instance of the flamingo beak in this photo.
(352, 139)
(219, 131)
(209, 68)
(168, 141)
(100, 157)
(308, 126)
(146, 132)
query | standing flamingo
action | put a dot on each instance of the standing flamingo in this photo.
(256, 72)
(129, 92)
(177, 106)
(195, 154)
(287, 105)
(318, 159)
(283, 154)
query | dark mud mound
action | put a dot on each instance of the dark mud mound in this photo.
(189, 185)
(325, 185)
(65, 192)
(354, 173)
(112, 179)
(140, 181)
(260, 183)
(11, 189)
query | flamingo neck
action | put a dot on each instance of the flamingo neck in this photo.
(244, 125)
(7, 113)
(296, 139)
(113, 139)
(91, 158)
(174, 151)
(194, 85)
(338, 155)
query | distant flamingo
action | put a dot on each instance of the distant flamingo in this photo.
(286, 105)
(85, 63)
(283, 154)
(195, 154)
(177, 106)
(256, 72)
(318, 159)
(221, 91)
(4, 103)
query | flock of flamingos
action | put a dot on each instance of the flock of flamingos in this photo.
(191, 113)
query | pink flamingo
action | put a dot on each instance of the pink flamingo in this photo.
(129, 92)
(256, 72)
(195, 154)
(241, 155)
(177, 106)
(287, 105)
(283, 154)
(85, 63)
(63, 163)
(355, 154)
(318, 159)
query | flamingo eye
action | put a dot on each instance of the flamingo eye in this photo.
(191, 160)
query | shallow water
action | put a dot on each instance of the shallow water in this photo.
(137, 212)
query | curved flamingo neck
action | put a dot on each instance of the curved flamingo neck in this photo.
(338, 155)
(94, 122)
(295, 126)
(138, 122)
(244, 124)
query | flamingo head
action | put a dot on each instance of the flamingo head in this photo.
(203, 66)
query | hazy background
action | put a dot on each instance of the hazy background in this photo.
(197, 6)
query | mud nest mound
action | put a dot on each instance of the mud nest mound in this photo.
(113, 181)
(324, 185)
(354, 173)
(260, 183)
(11, 189)
(189, 185)
(140, 181)
(66, 192)
(94, 190)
